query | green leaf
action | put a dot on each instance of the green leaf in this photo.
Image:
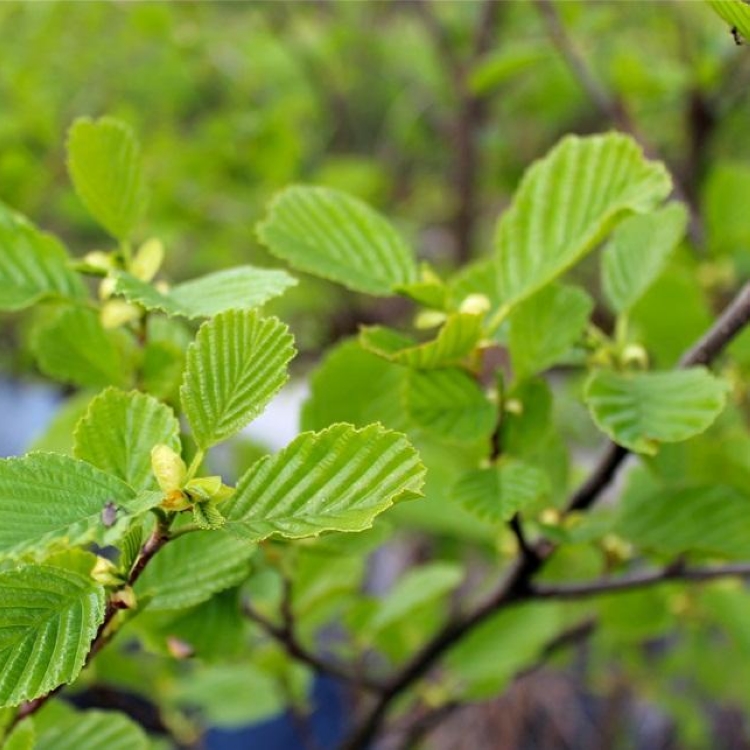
(45, 498)
(236, 365)
(497, 493)
(94, 730)
(735, 12)
(545, 326)
(456, 339)
(118, 432)
(338, 479)
(711, 519)
(638, 252)
(74, 348)
(48, 618)
(567, 203)
(192, 568)
(23, 737)
(641, 410)
(355, 386)
(242, 288)
(207, 515)
(416, 588)
(330, 234)
(724, 208)
(448, 404)
(58, 436)
(105, 166)
(33, 265)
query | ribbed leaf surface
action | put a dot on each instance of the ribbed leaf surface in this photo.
(456, 339)
(236, 364)
(94, 730)
(338, 479)
(448, 403)
(328, 233)
(567, 202)
(497, 493)
(240, 288)
(735, 12)
(641, 410)
(118, 432)
(638, 253)
(105, 166)
(45, 497)
(75, 348)
(545, 326)
(48, 618)
(33, 265)
(193, 567)
(712, 520)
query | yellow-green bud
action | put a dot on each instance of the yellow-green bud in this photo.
(168, 467)
(117, 312)
(148, 260)
(105, 572)
(476, 304)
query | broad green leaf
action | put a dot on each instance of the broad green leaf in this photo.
(192, 568)
(45, 498)
(48, 618)
(711, 519)
(118, 432)
(23, 737)
(724, 208)
(638, 251)
(94, 730)
(456, 339)
(105, 166)
(328, 233)
(33, 265)
(489, 657)
(449, 404)
(339, 479)
(497, 493)
(735, 12)
(236, 365)
(74, 348)
(545, 326)
(416, 588)
(242, 288)
(355, 386)
(567, 203)
(479, 277)
(641, 410)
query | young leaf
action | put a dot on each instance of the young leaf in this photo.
(497, 493)
(45, 497)
(544, 327)
(456, 339)
(328, 233)
(192, 568)
(118, 432)
(94, 730)
(338, 479)
(23, 737)
(242, 288)
(75, 348)
(449, 404)
(33, 265)
(638, 251)
(48, 618)
(735, 13)
(641, 410)
(567, 203)
(105, 166)
(235, 366)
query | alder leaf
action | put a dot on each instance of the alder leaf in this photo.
(94, 730)
(641, 410)
(328, 233)
(48, 618)
(566, 204)
(339, 479)
(118, 432)
(105, 166)
(235, 366)
(736, 13)
(242, 288)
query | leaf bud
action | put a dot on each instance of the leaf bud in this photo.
(168, 467)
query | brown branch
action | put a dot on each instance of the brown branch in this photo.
(285, 635)
(517, 585)
(159, 537)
